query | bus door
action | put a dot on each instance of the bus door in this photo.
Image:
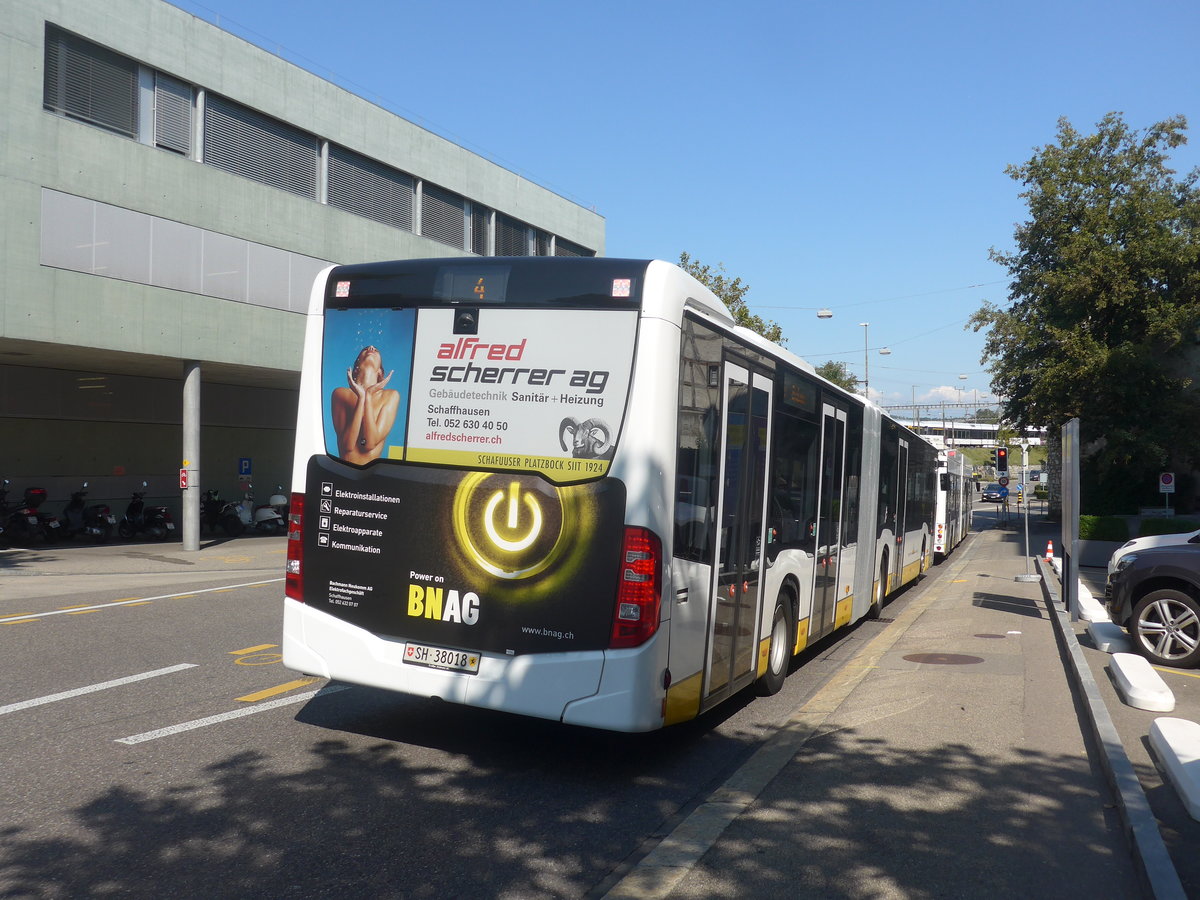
(741, 516)
(830, 509)
(901, 554)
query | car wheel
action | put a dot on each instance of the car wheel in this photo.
(779, 655)
(1166, 628)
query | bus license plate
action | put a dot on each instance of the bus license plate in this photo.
(441, 658)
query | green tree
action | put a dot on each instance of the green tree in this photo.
(839, 373)
(733, 295)
(1104, 301)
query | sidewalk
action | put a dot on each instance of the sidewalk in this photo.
(952, 758)
(63, 568)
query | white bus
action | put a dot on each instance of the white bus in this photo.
(575, 489)
(952, 518)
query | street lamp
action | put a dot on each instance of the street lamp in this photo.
(866, 360)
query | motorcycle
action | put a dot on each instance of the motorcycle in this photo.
(264, 519)
(154, 522)
(217, 513)
(95, 521)
(24, 520)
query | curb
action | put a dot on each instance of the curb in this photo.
(1153, 863)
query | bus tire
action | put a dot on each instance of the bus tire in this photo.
(880, 595)
(779, 654)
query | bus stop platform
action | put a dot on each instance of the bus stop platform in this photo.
(956, 755)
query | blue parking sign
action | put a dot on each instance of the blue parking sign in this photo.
(244, 465)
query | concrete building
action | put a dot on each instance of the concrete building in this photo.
(167, 193)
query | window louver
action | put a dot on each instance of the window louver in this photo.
(442, 216)
(511, 239)
(172, 114)
(369, 189)
(566, 248)
(247, 143)
(88, 82)
(479, 229)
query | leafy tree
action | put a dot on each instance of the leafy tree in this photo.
(1104, 301)
(732, 294)
(839, 373)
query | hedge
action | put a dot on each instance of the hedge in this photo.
(1167, 526)
(1103, 528)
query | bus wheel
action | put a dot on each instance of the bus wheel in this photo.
(921, 571)
(779, 654)
(876, 609)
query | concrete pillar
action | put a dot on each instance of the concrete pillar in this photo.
(191, 455)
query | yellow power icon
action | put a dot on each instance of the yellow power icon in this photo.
(512, 519)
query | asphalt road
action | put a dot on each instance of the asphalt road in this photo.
(155, 745)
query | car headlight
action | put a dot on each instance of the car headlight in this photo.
(1126, 561)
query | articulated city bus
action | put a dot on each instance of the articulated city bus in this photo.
(952, 519)
(575, 489)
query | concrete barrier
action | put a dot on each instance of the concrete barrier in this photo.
(1139, 685)
(1109, 637)
(1176, 742)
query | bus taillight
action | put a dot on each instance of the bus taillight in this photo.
(295, 549)
(639, 595)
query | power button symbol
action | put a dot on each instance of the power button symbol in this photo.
(513, 519)
(510, 527)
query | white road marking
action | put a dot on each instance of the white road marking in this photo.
(225, 717)
(92, 688)
(135, 600)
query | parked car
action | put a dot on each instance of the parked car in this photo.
(1151, 540)
(1154, 594)
(993, 493)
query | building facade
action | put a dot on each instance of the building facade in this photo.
(168, 191)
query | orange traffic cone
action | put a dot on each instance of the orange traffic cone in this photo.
(1049, 550)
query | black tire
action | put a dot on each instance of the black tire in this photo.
(125, 529)
(233, 526)
(779, 654)
(1166, 628)
(104, 535)
(880, 595)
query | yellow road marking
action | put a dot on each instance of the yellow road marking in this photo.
(253, 649)
(137, 603)
(21, 621)
(76, 606)
(278, 689)
(1171, 671)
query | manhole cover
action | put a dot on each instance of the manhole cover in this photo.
(943, 659)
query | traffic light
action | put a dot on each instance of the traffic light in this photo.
(1001, 460)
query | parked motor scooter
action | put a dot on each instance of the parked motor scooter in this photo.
(95, 521)
(217, 513)
(154, 521)
(281, 503)
(31, 520)
(263, 519)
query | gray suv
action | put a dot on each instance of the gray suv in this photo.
(1155, 595)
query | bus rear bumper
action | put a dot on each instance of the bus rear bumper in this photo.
(572, 687)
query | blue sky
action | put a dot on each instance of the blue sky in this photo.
(847, 155)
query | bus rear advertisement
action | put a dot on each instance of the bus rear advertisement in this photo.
(576, 489)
